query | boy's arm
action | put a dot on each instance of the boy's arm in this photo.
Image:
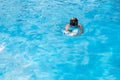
(81, 29)
(67, 27)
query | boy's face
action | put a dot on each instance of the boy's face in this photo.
(73, 22)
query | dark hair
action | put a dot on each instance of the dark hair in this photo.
(73, 21)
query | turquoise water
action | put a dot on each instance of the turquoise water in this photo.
(33, 47)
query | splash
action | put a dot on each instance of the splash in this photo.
(2, 47)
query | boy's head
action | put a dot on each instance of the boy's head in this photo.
(73, 21)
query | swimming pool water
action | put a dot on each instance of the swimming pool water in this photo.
(33, 47)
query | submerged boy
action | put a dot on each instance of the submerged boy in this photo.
(73, 25)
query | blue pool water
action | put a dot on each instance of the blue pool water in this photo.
(33, 47)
